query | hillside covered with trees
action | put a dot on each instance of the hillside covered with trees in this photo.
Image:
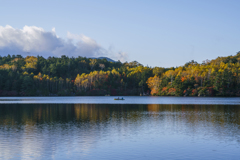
(64, 76)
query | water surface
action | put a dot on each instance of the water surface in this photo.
(119, 131)
(128, 100)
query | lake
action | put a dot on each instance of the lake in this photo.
(128, 100)
(136, 128)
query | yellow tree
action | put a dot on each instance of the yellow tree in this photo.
(92, 63)
(31, 62)
(85, 84)
(154, 84)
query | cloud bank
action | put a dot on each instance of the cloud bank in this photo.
(32, 40)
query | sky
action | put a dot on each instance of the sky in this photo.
(163, 33)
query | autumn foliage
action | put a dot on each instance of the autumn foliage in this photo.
(153, 83)
(219, 77)
(38, 76)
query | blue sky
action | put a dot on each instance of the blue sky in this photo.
(156, 33)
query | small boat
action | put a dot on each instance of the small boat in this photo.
(119, 98)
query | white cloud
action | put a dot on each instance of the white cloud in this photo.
(122, 56)
(32, 40)
(53, 29)
(86, 45)
(29, 39)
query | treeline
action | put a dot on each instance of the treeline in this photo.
(218, 77)
(65, 76)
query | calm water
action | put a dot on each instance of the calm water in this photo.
(128, 100)
(52, 129)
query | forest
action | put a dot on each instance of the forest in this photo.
(81, 76)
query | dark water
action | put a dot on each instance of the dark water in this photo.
(119, 131)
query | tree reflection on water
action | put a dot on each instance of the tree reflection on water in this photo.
(44, 129)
